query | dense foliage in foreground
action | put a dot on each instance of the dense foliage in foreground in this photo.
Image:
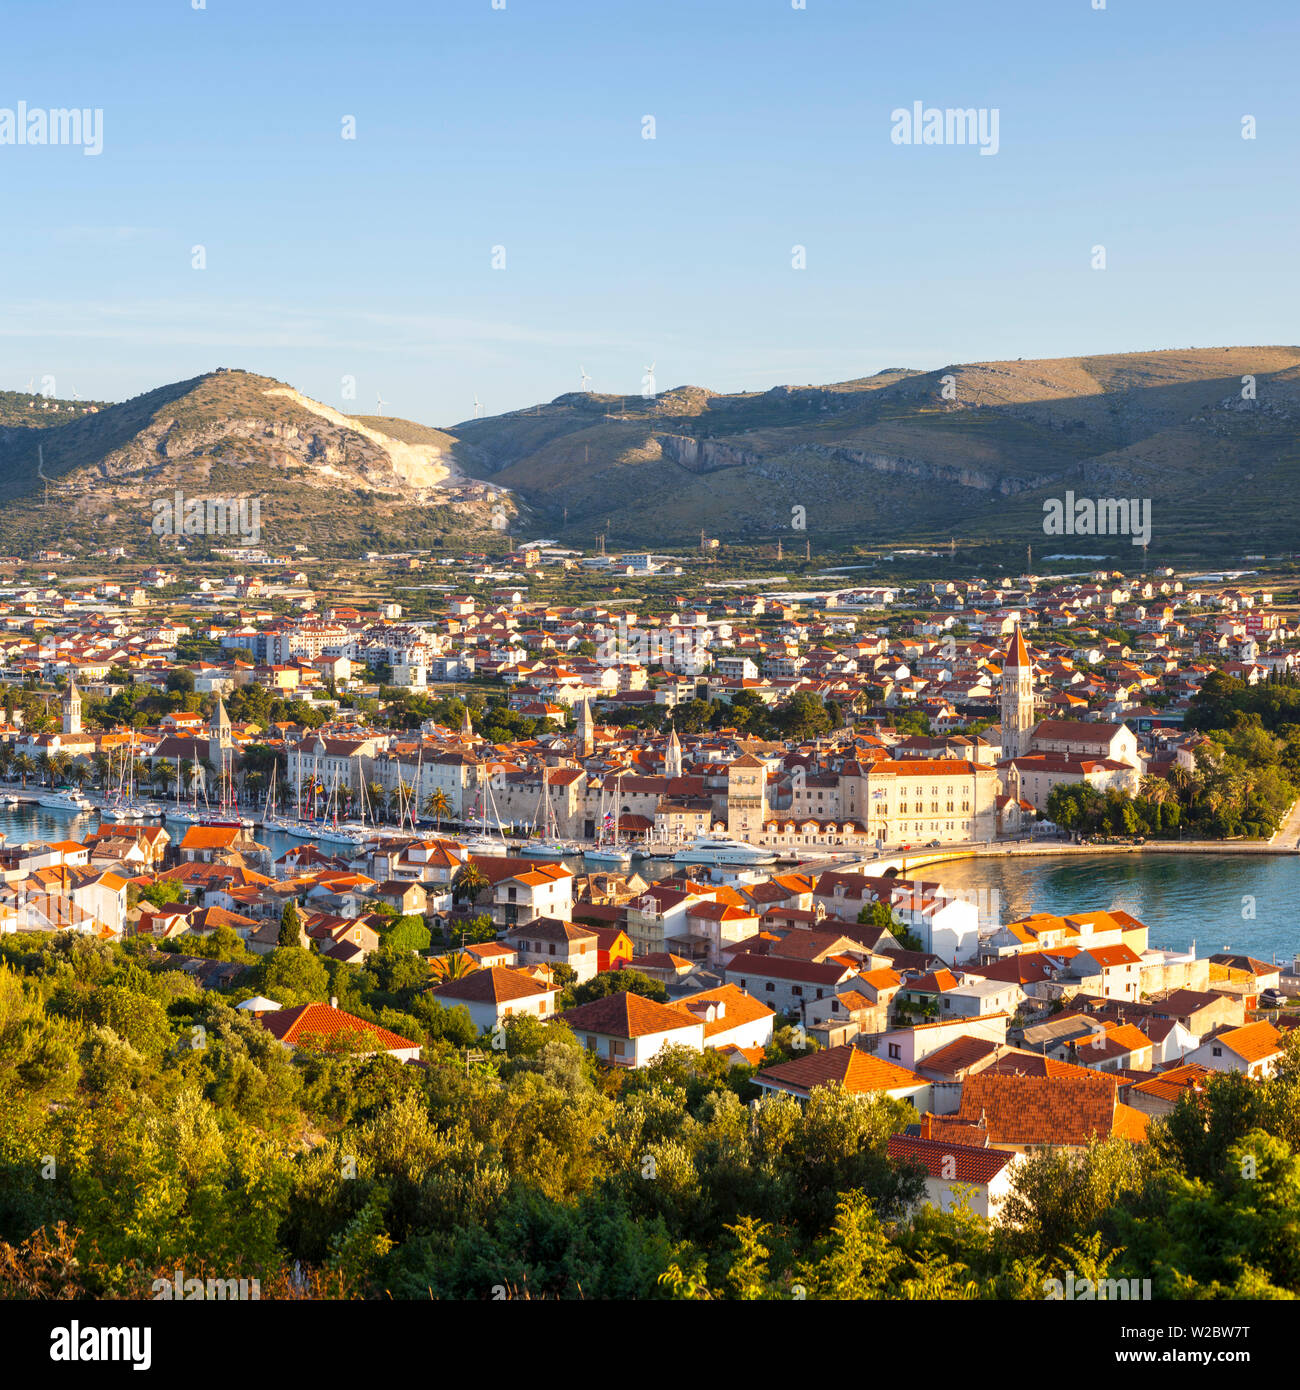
(164, 1130)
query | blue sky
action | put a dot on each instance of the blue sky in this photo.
(522, 128)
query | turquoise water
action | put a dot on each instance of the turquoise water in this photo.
(1242, 902)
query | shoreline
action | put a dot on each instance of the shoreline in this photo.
(905, 862)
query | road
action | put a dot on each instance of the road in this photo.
(1288, 833)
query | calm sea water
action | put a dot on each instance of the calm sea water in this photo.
(1241, 902)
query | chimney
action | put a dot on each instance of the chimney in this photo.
(334, 1001)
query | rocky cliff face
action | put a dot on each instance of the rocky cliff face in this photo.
(962, 450)
(237, 435)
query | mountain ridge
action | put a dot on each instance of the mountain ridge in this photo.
(234, 434)
(970, 451)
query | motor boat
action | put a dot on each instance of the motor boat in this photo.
(64, 800)
(716, 849)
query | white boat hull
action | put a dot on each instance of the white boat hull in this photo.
(730, 852)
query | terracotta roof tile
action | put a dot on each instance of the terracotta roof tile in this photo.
(857, 1071)
(625, 1015)
(1056, 1110)
(948, 1160)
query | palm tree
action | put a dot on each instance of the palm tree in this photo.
(1182, 780)
(6, 759)
(79, 772)
(378, 796)
(457, 964)
(437, 805)
(164, 773)
(468, 882)
(1155, 789)
(251, 782)
(24, 767)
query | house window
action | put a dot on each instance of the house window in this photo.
(895, 1049)
(797, 989)
(770, 987)
(1217, 1051)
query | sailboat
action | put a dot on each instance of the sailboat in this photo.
(182, 814)
(484, 843)
(271, 821)
(227, 813)
(303, 828)
(545, 842)
(607, 849)
(331, 832)
(120, 806)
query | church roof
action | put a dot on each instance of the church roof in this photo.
(1017, 655)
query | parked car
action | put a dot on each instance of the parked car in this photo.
(1272, 999)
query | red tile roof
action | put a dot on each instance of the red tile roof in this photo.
(496, 984)
(857, 1071)
(947, 1160)
(310, 1021)
(625, 1015)
(1054, 1110)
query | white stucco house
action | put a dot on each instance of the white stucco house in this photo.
(628, 1030)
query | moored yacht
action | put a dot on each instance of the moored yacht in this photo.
(608, 854)
(65, 800)
(548, 849)
(717, 849)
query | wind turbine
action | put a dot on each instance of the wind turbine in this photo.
(648, 381)
(478, 406)
(75, 396)
(380, 403)
(31, 385)
(586, 380)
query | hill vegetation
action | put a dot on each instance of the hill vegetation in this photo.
(81, 476)
(146, 1125)
(969, 451)
(1211, 437)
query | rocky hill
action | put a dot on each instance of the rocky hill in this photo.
(1211, 437)
(971, 451)
(76, 471)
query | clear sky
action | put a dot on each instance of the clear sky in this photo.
(522, 128)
